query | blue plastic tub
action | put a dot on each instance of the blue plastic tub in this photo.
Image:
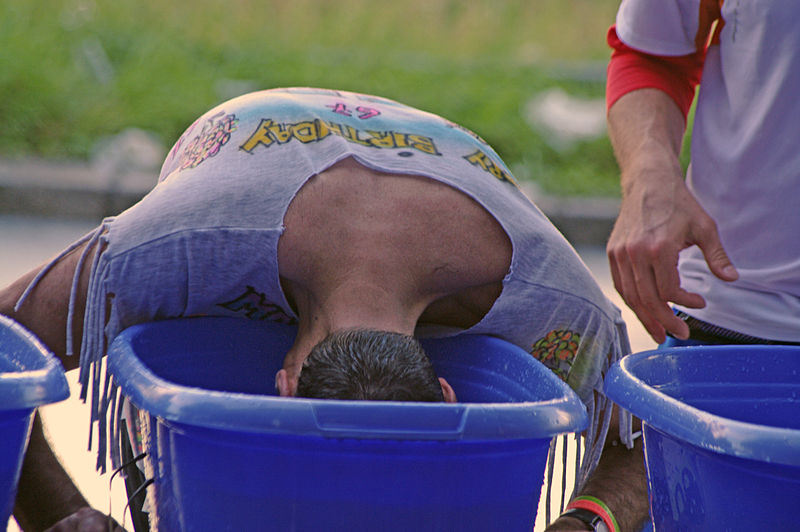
(30, 376)
(227, 454)
(721, 434)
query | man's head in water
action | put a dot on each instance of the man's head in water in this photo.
(369, 365)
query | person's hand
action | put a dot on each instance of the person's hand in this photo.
(655, 223)
(86, 520)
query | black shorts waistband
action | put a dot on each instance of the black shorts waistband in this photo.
(705, 332)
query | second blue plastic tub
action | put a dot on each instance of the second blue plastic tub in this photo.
(721, 434)
(30, 376)
(226, 454)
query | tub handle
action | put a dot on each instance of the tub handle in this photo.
(342, 419)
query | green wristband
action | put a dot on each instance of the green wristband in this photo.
(597, 506)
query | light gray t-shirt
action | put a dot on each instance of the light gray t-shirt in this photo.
(205, 240)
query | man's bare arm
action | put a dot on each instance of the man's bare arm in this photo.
(46, 496)
(659, 216)
(619, 481)
(44, 312)
(41, 503)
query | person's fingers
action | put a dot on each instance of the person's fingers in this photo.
(719, 263)
(646, 277)
(668, 284)
(655, 306)
(706, 236)
(614, 268)
(626, 283)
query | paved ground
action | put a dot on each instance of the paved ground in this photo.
(26, 242)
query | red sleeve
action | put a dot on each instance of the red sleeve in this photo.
(630, 69)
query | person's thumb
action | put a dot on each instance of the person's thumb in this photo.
(717, 258)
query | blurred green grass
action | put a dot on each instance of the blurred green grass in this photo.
(73, 71)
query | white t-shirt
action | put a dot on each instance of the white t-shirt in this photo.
(745, 168)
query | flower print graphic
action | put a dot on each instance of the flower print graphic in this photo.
(214, 135)
(557, 350)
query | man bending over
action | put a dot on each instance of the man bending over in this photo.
(365, 222)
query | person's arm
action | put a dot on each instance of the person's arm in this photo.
(47, 499)
(46, 495)
(658, 216)
(619, 481)
(649, 98)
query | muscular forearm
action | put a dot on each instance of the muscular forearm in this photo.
(646, 129)
(619, 481)
(46, 493)
(45, 310)
(659, 216)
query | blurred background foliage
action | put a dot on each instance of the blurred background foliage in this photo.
(75, 71)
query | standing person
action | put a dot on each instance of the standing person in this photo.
(723, 245)
(365, 222)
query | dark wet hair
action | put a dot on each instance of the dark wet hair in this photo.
(369, 364)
